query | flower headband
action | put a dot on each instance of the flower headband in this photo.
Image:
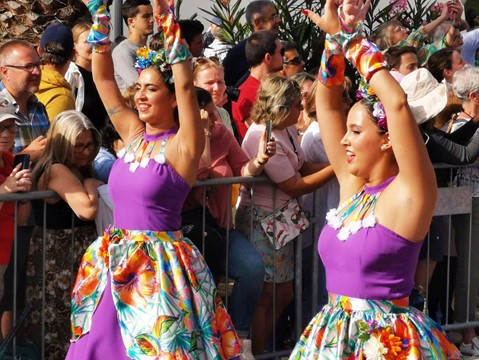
(145, 58)
(367, 93)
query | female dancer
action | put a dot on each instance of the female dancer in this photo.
(143, 290)
(371, 243)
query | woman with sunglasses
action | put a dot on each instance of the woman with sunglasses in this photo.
(371, 242)
(393, 33)
(143, 289)
(66, 167)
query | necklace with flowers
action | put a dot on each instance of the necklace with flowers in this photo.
(138, 153)
(356, 208)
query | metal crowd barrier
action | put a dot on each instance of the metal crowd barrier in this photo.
(452, 200)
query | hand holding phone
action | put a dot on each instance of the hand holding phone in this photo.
(23, 159)
(269, 130)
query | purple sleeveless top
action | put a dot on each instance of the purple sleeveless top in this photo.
(374, 263)
(149, 198)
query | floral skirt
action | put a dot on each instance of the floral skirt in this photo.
(349, 328)
(166, 300)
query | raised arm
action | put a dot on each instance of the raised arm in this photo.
(125, 121)
(190, 139)
(331, 117)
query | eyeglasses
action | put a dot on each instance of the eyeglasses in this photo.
(81, 147)
(294, 61)
(29, 67)
(10, 128)
(399, 29)
(275, 16)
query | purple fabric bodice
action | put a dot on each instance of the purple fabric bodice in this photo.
(150, 198)
(375, 263)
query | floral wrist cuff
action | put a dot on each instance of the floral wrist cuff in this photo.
(332, 67)
(366, 57)
(99, 37)
(175, 45)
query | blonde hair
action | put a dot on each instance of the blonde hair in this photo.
(201, 64)
(61, 138)
(382, 36)
(79, 29)
(310, 103)
(276, 97)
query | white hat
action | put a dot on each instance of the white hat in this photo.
(425, 95)
(7, 111)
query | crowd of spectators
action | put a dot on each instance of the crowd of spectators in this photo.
(50, 109)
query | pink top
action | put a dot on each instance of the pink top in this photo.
(287, 161)
(227, 160)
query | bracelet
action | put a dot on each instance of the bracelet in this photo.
(207, 133)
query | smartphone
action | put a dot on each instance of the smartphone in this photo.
(269, 130)
(23, 159)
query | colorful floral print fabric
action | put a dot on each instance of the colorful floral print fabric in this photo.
(167, 303)
(349, 328)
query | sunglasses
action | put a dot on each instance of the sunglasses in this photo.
(399, 29)
(294, 61)
(203, 61)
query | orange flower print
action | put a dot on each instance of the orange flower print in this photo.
(86, 283)
(229, 340)
(135, 281)
(77, 331)
(319, 337)
(406, 330)
(391, 342)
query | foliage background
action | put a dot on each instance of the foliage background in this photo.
(296, 27)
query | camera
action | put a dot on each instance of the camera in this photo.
(233, 93)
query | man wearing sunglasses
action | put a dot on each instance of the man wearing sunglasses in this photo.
(292, 61)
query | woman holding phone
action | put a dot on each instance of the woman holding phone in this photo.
(278, 107)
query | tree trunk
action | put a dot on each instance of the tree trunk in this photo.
(27, 19)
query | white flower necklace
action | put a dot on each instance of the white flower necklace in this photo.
(357, 206)
(139, 151)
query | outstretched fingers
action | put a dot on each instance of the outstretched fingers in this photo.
(355, 10)
(329, 22)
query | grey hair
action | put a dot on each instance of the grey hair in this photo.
(465, 81)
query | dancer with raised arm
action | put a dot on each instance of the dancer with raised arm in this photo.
(371, 242)
(143, 290)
